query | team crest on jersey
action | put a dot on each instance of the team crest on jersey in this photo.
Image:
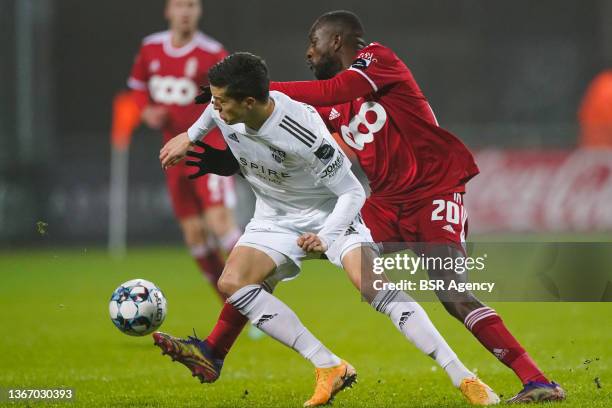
(234, 137)
(154, 65)
(278, 155)
(191, 67)
(325, 152)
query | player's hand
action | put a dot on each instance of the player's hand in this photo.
(174, 151)
(310, 242)
(154, 116)
(211, 160)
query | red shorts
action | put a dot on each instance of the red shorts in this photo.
(192, 197)
(439, 218)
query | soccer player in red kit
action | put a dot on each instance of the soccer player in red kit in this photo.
(417, 173)
(165, 77)
(417, 170)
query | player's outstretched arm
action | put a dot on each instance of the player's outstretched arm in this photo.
(344, 87)
(175, 150)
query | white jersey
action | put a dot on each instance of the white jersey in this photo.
(291, 162)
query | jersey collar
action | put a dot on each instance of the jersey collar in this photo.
(268, 125)
(172, 51)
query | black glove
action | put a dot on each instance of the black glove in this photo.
(211, 160)
(205, 96)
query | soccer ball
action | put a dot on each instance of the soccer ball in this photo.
(137, 307)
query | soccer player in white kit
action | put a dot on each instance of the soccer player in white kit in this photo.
(308, 203)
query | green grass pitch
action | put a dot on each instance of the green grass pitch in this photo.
(56, 332)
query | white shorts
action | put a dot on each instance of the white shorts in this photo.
(280, 244)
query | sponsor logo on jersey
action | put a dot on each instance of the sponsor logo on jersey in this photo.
(325, 152)
(334, 114)
(263, 172)
(277, 154)
(233, 137)
(331, 170)
(170, 90)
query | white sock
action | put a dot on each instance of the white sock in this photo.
(412, 320)
(275, 319)
(458, 372)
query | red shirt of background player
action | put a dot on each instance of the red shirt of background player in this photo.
(380, 112)
(170, 76)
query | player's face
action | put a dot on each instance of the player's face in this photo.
(230, 110)
(183, 15)
(322, 56)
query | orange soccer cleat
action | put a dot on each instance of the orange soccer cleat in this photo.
(330, 381)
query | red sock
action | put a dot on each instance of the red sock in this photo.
(211, 264)
(226, 330)
(489, 329)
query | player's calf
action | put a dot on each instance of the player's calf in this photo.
(412, 321)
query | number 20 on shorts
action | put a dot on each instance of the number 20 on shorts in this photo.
(451, 210)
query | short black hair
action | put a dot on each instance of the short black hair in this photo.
(346, 22)
(244, 74)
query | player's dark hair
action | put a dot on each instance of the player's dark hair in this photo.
(345, 21)
(244, 75)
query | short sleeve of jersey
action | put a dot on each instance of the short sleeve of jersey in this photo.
(203, 125)
(380, 66)
(138, 76)
(325, 159)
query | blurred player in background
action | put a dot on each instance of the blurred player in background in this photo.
(417, 170)
(165, 77)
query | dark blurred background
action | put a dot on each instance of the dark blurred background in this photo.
(502, 74)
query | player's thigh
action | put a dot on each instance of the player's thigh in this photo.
(279, 244)
(183, 198)
(442, 219)
(219, 219)
(245, 265)
(442, 230)
(354, 251)
(192, 227)
(358, 263)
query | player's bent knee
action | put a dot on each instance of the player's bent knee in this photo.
(229, 283)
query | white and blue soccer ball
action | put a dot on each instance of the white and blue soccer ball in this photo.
(137, 307)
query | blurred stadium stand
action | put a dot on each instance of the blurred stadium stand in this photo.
(503, 74)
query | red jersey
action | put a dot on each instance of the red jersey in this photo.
(171, 76)
(381, 113)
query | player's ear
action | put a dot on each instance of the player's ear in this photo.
(249, 102)
(337, 42)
